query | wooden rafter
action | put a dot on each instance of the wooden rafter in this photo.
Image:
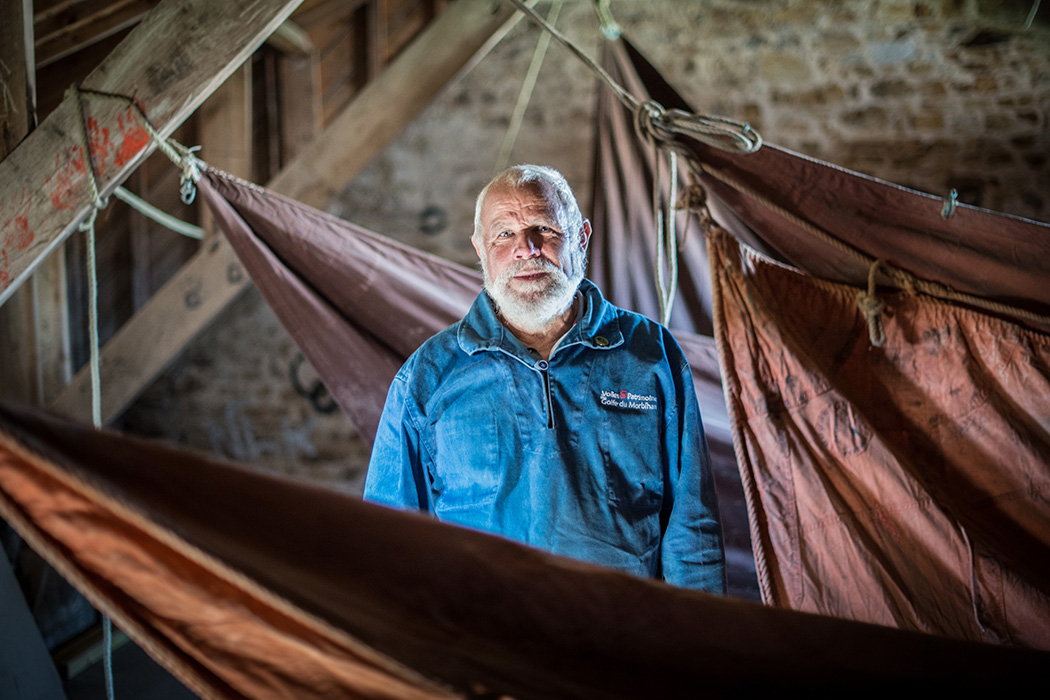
(170, 63)
(211, 280)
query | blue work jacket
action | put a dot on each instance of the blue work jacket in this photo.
(597, 453)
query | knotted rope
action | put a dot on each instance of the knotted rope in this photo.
(871, 306)
(661, 128)
(663, 125)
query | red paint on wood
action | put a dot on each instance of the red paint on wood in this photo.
(64, 183)
(14, 230)
(99, 145)
(135, 138)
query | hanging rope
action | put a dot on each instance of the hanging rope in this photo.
(183, 158)
(662, 125)
(525, 95)
(666, 236)
(88, 226)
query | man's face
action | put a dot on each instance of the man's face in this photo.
(531, 267)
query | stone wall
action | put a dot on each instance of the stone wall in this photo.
(930, 94)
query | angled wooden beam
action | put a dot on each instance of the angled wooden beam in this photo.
(210, 281)
(170, 63)
(65, 28)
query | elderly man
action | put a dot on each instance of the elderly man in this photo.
(548, 415)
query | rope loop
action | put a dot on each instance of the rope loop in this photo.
(647, 117)
(871, 306)
(191, 174)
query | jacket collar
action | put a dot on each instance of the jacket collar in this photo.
(597, 326)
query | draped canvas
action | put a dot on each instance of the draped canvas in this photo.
(334, 581)
(940, 522)
(248, 586)
(907, 485)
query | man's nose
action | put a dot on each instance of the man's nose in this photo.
(528, 246)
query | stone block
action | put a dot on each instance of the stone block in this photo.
(783, 67)
(986, 83)
(999, 122)
(934, 88)
(892, 88)
(866, 118)
(928, 121)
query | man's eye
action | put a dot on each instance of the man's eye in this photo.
(504, 234)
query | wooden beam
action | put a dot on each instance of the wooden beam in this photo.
(207, 284)
(170, 62)
(67, 28)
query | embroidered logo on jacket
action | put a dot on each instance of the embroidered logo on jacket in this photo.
(625, 399)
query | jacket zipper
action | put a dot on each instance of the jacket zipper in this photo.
(547, 392)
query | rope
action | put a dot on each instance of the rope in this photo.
(666, 238)
(525, 95)
(872, 307)
(107, 643)
(1031, 15)
(901, 278)
(88, 226)
(610, 27)
(660, 124)
(183, 158)
(180, 155)
(159, 216)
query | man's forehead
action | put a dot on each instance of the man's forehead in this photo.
(505, 200)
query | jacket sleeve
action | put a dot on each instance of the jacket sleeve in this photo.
(692, 554)
(396, 472)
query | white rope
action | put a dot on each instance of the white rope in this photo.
(161, 217)
(666, 236)
(107, 643)
(525, 95)
(610, 27)
(660, 124)
(1031, 15)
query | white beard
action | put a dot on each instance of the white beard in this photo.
(538, 304)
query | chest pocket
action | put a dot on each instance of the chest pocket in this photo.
(466, 474)
(632, 451)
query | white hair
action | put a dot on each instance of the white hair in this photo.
(554, 188)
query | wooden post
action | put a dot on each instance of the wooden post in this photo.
(158, 333)
(27, 669)
(300, 90)
(170, 62)
(18, 358)
(376, 31)
(225, 128)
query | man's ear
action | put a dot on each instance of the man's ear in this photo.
(477, 249)
(585, 234)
